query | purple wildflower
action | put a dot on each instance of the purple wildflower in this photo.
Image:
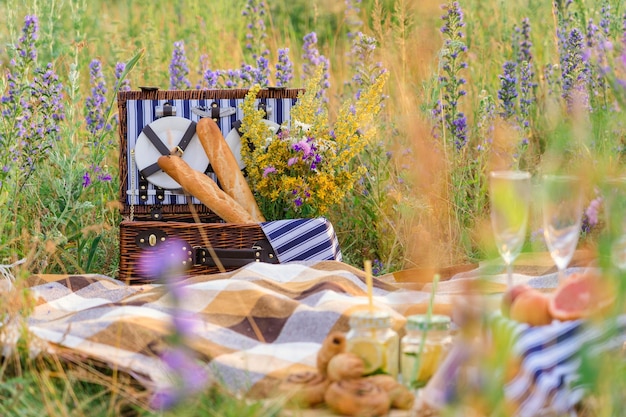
(189, 376)
(312, 59)
(254, 14)
(86, 180)
(284, 68)
(573, 70)
(362, 60)
(104, 177)
(268, 171)
(261, 72)
(26, 49)
(352, 18)
(446, 111)
(96, 102)
(165, 261)
(525, 44)
(178, 68)
(592, 214)
(123, 84)
(233, 78)
(508, 89)
(211, 78)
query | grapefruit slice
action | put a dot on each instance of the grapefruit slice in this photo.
(581, 295)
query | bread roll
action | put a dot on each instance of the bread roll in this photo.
(345, 365)
(226, 167)
(204, 189)
(304, 389)
(399, 395)
(333, 344)
(357, 397)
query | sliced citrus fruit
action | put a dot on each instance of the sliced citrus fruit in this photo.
(581, 295)
(371, 353)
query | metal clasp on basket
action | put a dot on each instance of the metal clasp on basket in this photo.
(167, 109)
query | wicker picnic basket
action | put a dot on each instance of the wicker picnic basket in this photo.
(155, 215)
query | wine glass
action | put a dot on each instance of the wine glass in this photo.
(509, 196)
(562, 205)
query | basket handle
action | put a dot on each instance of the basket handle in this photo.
(261, 251)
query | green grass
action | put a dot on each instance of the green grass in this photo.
(423, 203)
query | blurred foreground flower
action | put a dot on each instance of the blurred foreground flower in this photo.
(186, 374)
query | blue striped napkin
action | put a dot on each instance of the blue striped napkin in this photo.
(303, 239)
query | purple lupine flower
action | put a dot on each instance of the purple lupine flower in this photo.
(261, 72)
(525, 44)
(446, 112)
(574, 72)
(527, 84)
(254, 14)
(43, 128)
(312, 59)
(26, 48)
(284, 68)
(605, 20)
(352, 18)
(86, 180)
(124, 85)
(292, 161)
(211, 78)
(190, 377)
(232, 78)
(508, 89)
(96, 102)
(104, 177)
(247, 74)
(527, 92)
(366, 70)
(179, 71)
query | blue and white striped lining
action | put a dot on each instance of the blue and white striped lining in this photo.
(550, 361)
(140, 113)
(303, 239)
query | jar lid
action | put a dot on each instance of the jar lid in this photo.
(370, 319)
(422, 322)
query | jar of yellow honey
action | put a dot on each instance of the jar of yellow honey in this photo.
(371, 336)
(423, 347)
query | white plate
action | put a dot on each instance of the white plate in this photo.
(234, 140)
(170, 130)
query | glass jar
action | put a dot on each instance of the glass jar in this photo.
(419, 363)
(371, 336)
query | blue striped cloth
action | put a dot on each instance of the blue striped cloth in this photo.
(303, 239)
(544, 380)
(551, 358)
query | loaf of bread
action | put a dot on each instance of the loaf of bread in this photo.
(226, 168)
(204, 189)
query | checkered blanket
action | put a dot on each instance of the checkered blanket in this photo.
(255, 325)
(252, 326)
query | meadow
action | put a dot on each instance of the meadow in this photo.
(472, 86)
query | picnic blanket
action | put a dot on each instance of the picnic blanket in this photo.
(252, 326)
(255, 325)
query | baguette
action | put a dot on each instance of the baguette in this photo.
(204, 189)
(226, 167)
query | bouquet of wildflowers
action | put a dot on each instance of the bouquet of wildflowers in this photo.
(307, 168)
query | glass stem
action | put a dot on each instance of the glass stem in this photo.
(509, 275)
(561, 275)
